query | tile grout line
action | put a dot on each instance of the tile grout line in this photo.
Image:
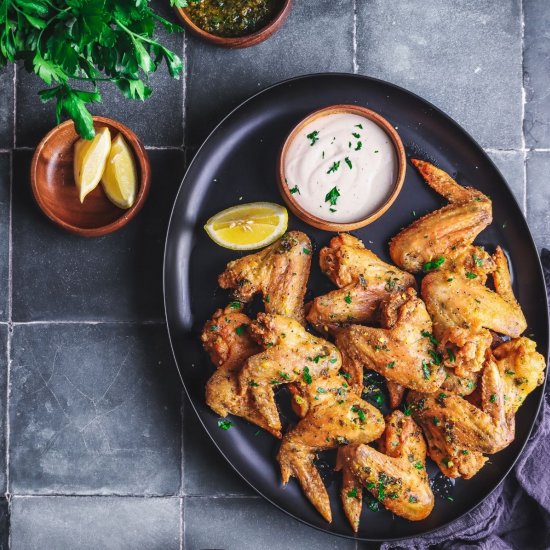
(7, 441)
(182, 444)
(354, 42)
(14, 104)
(182, 522)
(523, 103)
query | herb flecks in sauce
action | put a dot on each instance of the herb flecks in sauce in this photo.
(233, 18)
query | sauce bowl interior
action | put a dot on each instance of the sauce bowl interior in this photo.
(326, 225)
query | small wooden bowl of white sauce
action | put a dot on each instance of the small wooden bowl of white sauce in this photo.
(341, 168)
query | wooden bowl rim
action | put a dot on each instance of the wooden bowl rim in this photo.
(238, 41)
(325, 225)
(126, 215)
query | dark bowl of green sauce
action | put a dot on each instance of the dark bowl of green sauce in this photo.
(235, 23)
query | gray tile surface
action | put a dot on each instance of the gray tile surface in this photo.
(536, 73)
(511, 164)
(317, 37)
(464, 56)
(4, 524)
(6, 107)
(94, 410)
(59, 523)
(4, 233)
(538, 197)
(210, 523)
(3, 383)
(115, 277)
(157, 121)
(205, 471)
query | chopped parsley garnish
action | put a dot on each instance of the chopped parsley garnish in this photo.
(431, 337)
(390, 284)
(493, 398)
(318, 357)
(332, 210)
(407, 411)
(450, 279)
(434, 264)
(360, 126)
(346, 375)
(321, 390)
(253, 384)
(224, 424)
(332, 196)
(307, 376)
(465, 452)
(267, 298)
(240, 329)
(347, 298)
(348, 162)
(436, 357)
(352, 493)
(477, 261)
(451, 355)
(373, 506)
(332, 360)
(510, 372)
(214, 328)
(358, 146)
(235, 305)
(306, 251)
(390, 365)
(426, 370)
(447, 462)
(334, 167)
(284, 375)
(418, 465)
(356, 135)
(360, 412)
(436, 421)
(376, 151)
(413, 499)
(470, 275)
(295, 190)
(314, 136)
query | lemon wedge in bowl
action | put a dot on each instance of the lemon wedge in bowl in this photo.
(119, 179)
(90, 157)
(248, 226)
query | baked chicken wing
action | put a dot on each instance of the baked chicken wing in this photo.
(395, 474)
(225, 337)
(403, 352)
(464, 310)
(279, 272)
(364, 281)
(439, 232)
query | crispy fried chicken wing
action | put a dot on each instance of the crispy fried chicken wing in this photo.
(280, 272)
(365, 281)
(291, 355)
(403, 352)
(454, 427)
(395, 474)
(229, 344)
(339, 419)
(437, 233)
(346, 261)
(464, 310)
(521, 368)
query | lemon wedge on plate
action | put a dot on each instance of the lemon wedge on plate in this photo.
(90, 156)
(119, 179)
(248, 226)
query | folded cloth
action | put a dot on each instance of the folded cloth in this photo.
(517, 514)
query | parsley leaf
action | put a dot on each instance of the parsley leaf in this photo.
(334, 167)
(470, 275)
(313, 136)
(434, 264)
(348, 162)
(332, 196)
(224, 424)
(295, 190)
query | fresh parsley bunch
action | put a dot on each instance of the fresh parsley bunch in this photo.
(72, 42)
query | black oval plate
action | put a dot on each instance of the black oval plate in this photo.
(237, 163)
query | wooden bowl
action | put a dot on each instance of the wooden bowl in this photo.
(54, 189)
(238, 41)
(325, 225)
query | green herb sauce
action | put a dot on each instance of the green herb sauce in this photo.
(233, 18)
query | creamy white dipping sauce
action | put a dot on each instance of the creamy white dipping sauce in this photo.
(341, 167)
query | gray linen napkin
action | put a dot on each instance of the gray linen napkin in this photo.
(517, 514)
